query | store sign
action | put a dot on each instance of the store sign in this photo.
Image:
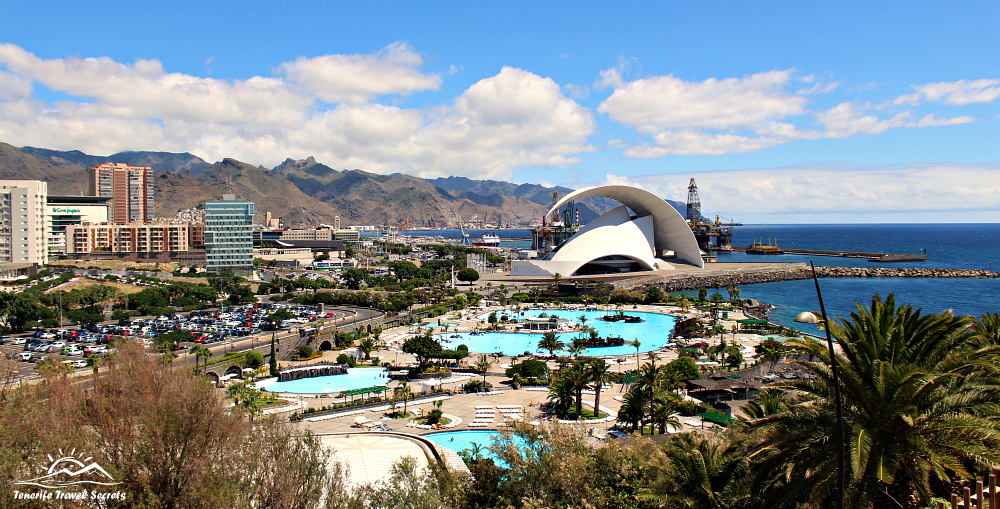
(63, 210)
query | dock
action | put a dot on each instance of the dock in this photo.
(872, 257)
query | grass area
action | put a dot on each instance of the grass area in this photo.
(269, 402)
(587, 415)
(442, 421)
(399, 415)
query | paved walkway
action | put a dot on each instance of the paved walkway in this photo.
(369, 458)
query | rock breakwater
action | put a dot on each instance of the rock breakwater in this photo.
(310, 372)
(740, 278)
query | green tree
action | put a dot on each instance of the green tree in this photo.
(16, 310)
(483, 365)
(705, 472)
(199, 352)
(702, 294)
(918, 403)
(468, 275)
(272, 361)
(636, 344)
(253, 359)
(598, 374)
(423, 348)
(367, 345)
(402, 391)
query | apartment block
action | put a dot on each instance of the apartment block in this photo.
(125, 239)
(129, 187)
(23, 225)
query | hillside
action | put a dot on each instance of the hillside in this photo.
(160, 161)
(270, 193)
(63, 179)
(306, 192)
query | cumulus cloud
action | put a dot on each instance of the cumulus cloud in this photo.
(357, 78)
(322, 106)
(739, 115)
(818, 193)
(955, 93)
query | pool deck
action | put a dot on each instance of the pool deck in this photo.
(371, 455)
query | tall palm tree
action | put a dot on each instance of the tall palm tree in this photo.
(636, 343)
(402, 391)
(731, 288)
(199, 352)
(366, 346)
(663, 415)
(918, 401)
(600, 287)
(561, 395)
(599, 374)
(577, 378)
(483, 365)
(653, 382)
(550, 342)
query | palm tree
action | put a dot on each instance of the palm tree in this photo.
(717, 284)
(199, 352)
(705, 473)
(576, 377)
(663, 416)
(483, 365)
(366, 346)
(601, 286)
(597, 372)
(986, 329)
(633, 409)
(770, 402)
(561, 395)
(653, 382)
(550, 342)
(917, 401)
(402, 391)
(731, 288)
(636, 343)
(578, 347)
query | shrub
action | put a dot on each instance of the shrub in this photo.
(433, 417)
(343, 358)
(304, 352)
(254, 359)
(528, 369)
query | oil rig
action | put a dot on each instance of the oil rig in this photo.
(555, 229)
(711, 236)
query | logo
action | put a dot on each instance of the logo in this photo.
(68, 471)
(60, 210)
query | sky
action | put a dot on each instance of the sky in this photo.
(783, 112)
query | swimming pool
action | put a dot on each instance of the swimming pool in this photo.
(459, 441)
(653, 334)
(356, 378)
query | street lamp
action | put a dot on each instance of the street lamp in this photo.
(810, 317)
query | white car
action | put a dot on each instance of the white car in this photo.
(79, 363)
(25, 356)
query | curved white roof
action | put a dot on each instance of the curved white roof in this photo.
(670, 231)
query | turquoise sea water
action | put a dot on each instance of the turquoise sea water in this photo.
(653, 334)
(356, 378)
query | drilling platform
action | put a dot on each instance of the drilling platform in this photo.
(555, 229)
(711, 236)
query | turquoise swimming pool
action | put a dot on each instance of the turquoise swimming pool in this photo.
(653, 333)
(356, 378)
(458, 441)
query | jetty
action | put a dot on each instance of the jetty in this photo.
(872, 257)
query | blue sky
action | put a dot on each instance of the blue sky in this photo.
(784, 112)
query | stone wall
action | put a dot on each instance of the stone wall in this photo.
(310, 372)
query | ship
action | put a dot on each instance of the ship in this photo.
(758, 247)
(488, 241)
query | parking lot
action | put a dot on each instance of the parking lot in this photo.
(238, 328)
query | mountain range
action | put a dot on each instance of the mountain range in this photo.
(305, 192)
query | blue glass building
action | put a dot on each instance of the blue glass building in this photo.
(229, 235)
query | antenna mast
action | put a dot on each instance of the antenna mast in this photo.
(693, 204)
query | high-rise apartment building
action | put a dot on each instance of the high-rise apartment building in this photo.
(22, 221)
(130, 189)
(229, 235)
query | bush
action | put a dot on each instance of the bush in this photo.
(304, 352)
(433, 417)
(254, 359)
(528, 369)
(477, 386)
(467, 275)
(343, 358)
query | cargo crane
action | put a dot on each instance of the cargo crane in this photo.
(711, 236)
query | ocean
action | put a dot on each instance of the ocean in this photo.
(965, 246)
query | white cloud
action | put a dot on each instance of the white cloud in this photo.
(665, 102)
(739, 115)
(955, 93)
(513, 119)
(815, 192)
(357, 78)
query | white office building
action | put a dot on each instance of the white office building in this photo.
(229, 235)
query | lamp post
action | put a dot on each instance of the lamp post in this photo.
(810, 317)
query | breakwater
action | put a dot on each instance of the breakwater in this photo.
(690, 281)
(310, 372)
(871, 256)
